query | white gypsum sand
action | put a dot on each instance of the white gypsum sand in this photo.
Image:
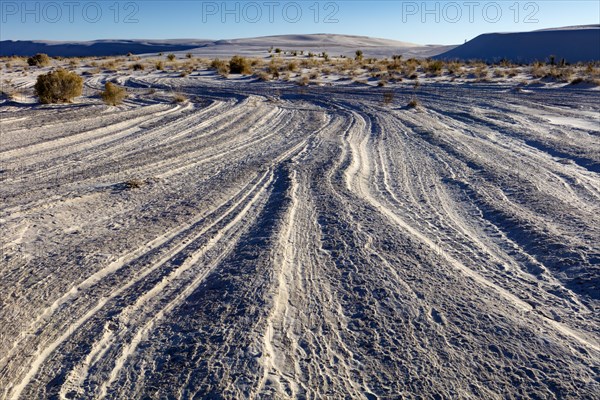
(262, 239)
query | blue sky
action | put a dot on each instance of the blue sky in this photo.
(424, 22)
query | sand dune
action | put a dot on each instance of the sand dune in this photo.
(335, 45)
(574, 44)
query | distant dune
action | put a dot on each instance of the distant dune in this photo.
(335, 45)
(574, 44)
(95, 48)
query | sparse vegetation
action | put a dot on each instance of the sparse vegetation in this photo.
(113, 95)
(133, 184)
(434, 67)
(171, 57)
(60, 86)
(179, 98)
(240, 65)
(413, 103)
(39, 60)
(138, 67)
(220, 66)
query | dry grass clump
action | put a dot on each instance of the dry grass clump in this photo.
(455, 68)
(179, 98)
(159, 65)
(240, 65)
(292, 66)
(304, 80)
(263, 76)
(537, 70)
(133, 184)
(434, 67)
(220, 66)
(60, 86)
(113, 95)
(481, 71)
(138, 67)
(39, 60)
(413, 103)
(561, 74)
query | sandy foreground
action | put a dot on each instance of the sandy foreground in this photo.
(266, 240)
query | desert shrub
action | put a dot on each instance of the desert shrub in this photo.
(564, 74)
(481, 71)
(413, 103)
(110, 65)
(133, 183)
(240, 65)
(171, 57)
(292, 66)
(138, 67)
(537, 70)
(434, 67)
(263, 76)
(59, 86)
(499, 73)
(113, 95)
(179, 98)
(39, 60)
(220, 66)
(278, 50)
(359, 55)
(189, 55)
(455, 68)
(304, 80)
(159, 66)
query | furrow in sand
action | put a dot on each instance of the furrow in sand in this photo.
(44, 353)
(357, 176)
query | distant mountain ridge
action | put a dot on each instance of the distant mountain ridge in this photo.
(574, 44)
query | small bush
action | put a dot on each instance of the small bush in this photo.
(113, 95)
(413, 103)
(220, 66)
(133, 183)
(179, 98)
(60, 86)
(240, 65)
(39, 60)
(138, 67)
(263, 76)
(304, 80)
(171, 57)
(159, 66)
(434, 67)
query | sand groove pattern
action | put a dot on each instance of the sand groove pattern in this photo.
(304, 244)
